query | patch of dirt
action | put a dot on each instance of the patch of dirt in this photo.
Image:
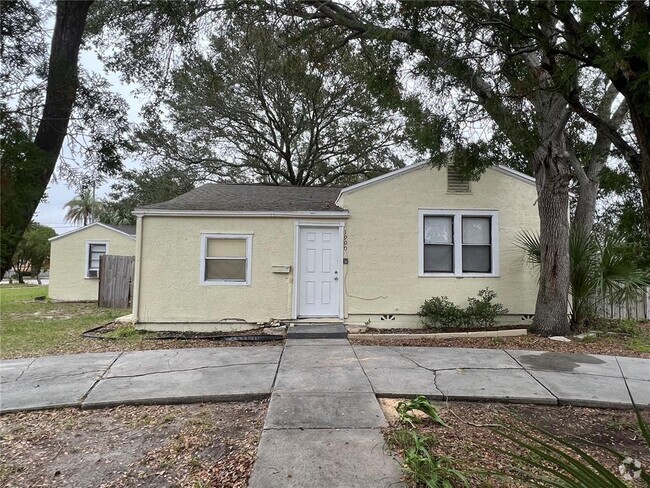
(472, 445)
(606, 345)
(151, 446)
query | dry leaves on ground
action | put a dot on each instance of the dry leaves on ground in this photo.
(473, 447)
(158, 446)
(530, 342)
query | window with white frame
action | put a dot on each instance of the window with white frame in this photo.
(458, 243)
(94, 250)
(226, 259)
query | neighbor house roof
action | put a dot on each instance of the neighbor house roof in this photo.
(127, 230)
(221, 197)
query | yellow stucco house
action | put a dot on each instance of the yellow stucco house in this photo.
(226, 256)
(74, 258)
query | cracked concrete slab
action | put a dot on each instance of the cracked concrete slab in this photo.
(205, 383)
(593, 391)
(434, 358)
(391, 382)
(635, 368)
(560, 362)
(324, 380)
(514, 386)
(12, 369)
(321, 458)
(50, 381)
(145, 362)
(324, 411)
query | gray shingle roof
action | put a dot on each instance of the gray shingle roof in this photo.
(254, 198)
(127, 229)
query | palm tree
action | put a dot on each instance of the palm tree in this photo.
(82, 208)
(599, 270)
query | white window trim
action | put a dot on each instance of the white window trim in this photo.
(87, 265)
(458, 247)
(249, 259)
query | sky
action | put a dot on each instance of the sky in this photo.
(52, 212)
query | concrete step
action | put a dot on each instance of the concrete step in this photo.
(317, 331)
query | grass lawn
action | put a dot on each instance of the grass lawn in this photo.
(30, 327)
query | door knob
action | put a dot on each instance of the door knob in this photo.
(336, 278)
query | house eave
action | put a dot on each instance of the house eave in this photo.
(88, 227)
(142, 212)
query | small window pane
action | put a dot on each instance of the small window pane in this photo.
(438, 230)
(226, 248)
(438, 259)
(476, 230)
(476, 259)
(225, 269)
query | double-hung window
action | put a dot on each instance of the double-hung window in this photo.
(226, 259)
(94, 250)
(458, 243)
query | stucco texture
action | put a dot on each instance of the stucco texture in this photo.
(169, 288)
(68, 280)
(381, 246)
(382, 242)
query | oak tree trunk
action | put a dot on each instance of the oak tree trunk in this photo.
(23, 183)
(552, 176)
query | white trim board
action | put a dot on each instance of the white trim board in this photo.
(88, 227)
(343, 214)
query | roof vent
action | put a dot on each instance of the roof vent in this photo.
(455, 182)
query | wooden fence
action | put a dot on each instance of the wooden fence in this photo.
(115, 281)
(628, 309)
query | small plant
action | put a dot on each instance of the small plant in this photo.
(406, 409)
(421, 466)
(482, 311)
(439, 312)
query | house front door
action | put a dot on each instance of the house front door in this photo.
(319, 272)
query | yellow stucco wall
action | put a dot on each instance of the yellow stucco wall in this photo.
(382, 242)
(169, 288)
(68, 262)
(382, 248)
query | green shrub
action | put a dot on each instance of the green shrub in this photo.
(482, 311)
(439, 312)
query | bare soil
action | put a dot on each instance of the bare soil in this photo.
(472, 444)
(609, 345)
(146, 446)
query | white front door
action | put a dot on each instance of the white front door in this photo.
(319, 271)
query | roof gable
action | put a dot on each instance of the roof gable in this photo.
(407, 169)
(125, 230)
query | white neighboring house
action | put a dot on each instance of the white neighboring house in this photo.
(74, 258)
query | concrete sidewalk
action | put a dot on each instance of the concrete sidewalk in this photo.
(323, 424)
(139, 377)
(241, 373)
